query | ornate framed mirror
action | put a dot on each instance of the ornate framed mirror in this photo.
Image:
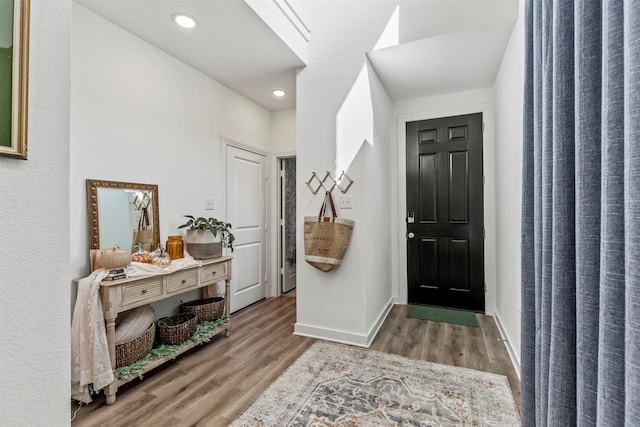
(116, 210)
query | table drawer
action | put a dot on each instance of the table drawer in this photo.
(141, 291)
(213, 273)
(182, 280)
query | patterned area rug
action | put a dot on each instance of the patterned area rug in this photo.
(339, 385)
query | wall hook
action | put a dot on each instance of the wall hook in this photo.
(328, 182)
(344, 177)
(326, 177)
(311, 184)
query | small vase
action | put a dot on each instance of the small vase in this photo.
(175, 247)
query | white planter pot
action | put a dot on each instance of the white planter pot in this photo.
(201, 244)
(201, 236)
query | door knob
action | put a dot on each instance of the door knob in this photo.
(411, 235)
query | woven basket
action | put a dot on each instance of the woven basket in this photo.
(207, 309)
(135, 349)
(176, 329)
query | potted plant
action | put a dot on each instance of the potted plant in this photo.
(206, 237)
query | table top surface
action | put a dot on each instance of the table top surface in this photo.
(108, 283)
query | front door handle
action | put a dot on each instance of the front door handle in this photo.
(411, 235)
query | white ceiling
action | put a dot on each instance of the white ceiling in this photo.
(445, 45)
(231, 43)
(452, 62)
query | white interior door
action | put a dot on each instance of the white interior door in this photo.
(246, 194)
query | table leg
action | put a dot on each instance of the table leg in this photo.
(111, 389)
(227, 305)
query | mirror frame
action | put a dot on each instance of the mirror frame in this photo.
(92, 207)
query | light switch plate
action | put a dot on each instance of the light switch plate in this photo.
(345, 202)
(209, 204)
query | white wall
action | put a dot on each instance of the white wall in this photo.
(283, 131)
(347, 303)
(283, 144)
(474, 101)
(139, 115)
(508, 95)
(34, 238)
(377, 171)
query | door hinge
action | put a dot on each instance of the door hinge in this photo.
(266, 277)
(484, 233)
(282, 271)
(282, 173)
(485, 287)
(482, 126)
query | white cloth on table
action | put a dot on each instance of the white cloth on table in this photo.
(136, 269)
(90, 363)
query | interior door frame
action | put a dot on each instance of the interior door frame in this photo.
(274, 224)
(278, 231)
(399, 262)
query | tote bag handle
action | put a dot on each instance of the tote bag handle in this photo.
(323, 209)
(143, 223)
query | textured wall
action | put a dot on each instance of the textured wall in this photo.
(34, 238)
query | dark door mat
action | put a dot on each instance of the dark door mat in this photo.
(444, 315)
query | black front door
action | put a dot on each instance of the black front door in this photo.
(445, 228)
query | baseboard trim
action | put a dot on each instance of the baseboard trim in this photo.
(344, 337)
(376, 326)
(513, 355)
(333, 335)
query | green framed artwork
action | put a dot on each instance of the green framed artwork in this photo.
(14, 81)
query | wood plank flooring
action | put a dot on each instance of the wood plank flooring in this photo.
(213, 383)
(464, 346)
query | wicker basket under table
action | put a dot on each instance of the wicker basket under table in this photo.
(133, 350)
(178, 328)
(207, 309)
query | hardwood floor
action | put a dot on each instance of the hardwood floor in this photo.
(464, 346)
(213, 383)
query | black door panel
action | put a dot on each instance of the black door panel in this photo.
(444, 191)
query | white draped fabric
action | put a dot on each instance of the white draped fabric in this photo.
(90, 362)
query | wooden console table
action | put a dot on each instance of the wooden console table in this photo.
(122, 295)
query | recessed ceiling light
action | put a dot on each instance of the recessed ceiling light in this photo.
(279, 93)
(185, 21)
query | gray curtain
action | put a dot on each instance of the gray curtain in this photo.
(580, 354)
